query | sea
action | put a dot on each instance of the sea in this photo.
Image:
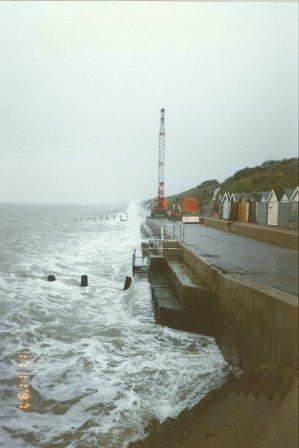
(87, 366)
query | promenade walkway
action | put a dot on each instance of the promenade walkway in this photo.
(261, 262)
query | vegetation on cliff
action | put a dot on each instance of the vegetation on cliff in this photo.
(204, 192)
(276, 174)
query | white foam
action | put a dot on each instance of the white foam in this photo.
(100, 367)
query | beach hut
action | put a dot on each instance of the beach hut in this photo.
(219, 203)
(293, 217)
(226, 204)
(234, 206)
(262, 208)
(272, 212)
(244, 207)
(176, 209)
(252, 209)
(284, 207)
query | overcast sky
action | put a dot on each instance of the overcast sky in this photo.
(82, 85)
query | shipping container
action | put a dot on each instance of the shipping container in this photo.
(164, 203)
(190, 204)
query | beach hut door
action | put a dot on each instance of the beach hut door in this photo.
(272, 213)
(226, 209)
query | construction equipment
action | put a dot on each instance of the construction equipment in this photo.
(160, 208)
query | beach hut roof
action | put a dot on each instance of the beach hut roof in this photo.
(255, 196)
(271, 196)
(265, 195)
(236, 196)
(296, 190)
(288, 192)
(246, 196)
(226, 196)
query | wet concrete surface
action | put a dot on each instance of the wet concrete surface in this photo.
(261, 262)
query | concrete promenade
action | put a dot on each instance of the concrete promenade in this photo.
(260, 262)
(269, 234)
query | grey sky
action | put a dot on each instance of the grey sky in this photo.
(82, 85)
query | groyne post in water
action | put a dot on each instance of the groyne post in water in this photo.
(51, 278)
(84, 280)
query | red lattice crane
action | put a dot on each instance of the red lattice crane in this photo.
(161, 203)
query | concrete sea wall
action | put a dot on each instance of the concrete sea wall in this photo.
(255, 323)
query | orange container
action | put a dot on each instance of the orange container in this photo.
(164, 203)
(190, 204)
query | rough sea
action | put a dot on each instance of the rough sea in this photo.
(86, 367)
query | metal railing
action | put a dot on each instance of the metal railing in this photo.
(174, 230)
(141, 261)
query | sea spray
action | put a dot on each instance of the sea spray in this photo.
(135, 219)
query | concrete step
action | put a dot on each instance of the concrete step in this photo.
(272, 406)
(191, 291)
(171, 249)
(157, 264)
(158, 280)
(248, 419)
(282, 429)
(206, 420)
(228, 404)
(169, 312)
(244, 424)
(237, 420)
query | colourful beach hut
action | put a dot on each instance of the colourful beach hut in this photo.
(272, 212)
(262, 208)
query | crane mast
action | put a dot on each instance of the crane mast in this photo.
(160, 198)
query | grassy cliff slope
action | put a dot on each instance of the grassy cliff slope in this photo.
(276, 174)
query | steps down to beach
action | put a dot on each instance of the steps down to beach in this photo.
(180, 300)
(192, 292)
(256, 410)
